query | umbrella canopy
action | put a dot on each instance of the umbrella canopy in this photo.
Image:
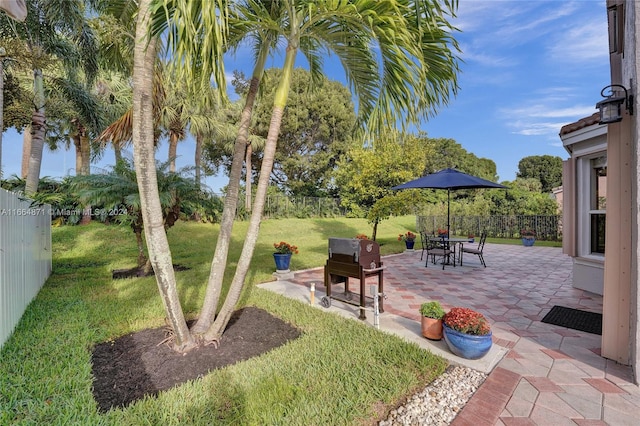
(449, 179)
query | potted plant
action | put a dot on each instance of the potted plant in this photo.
(362, 237)
(471, 237)
(443, 233)
(409, 239)
(528, 237)
(467, 333)
(283, 254)
(431, 320)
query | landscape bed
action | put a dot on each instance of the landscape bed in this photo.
(337, 371)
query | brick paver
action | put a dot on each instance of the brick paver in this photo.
(551, 375)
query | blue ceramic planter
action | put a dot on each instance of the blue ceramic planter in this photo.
(528, 242)
(282, 261)
(467, 345)
(409, 244)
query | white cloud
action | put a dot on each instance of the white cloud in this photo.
(537, 129)
(586, 41)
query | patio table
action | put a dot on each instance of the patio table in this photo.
(453, 242)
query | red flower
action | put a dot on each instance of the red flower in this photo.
(285, 248)
(467, 321)
(362, 237)
(527, 233)
(409, 236)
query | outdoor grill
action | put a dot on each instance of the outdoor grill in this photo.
(352, 258)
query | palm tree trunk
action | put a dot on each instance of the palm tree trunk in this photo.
(247, 179)
(143, 143)
(85, 155)
(83, 151)
(26, 151)
(173, 149)
(282, 93)
(117, 151)
(78, 149)
(198, 160)
(219, 262)
(37, 132)
(142, 259)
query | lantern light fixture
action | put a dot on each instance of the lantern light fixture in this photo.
(611, 107)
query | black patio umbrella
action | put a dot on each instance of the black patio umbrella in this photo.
(449, 179)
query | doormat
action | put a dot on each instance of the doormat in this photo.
(576, 319)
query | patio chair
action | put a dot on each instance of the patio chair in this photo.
(427, 241)
(477, 251)
(424, 240)
(437, 248)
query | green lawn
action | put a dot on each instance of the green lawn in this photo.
(339, 372)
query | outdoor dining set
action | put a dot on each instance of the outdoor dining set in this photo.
(449, 250)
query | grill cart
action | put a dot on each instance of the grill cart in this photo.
(352, 258)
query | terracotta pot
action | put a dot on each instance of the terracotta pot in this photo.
(431, 328)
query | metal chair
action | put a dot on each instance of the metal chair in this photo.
(424, 240)
(437, 248)
(477, 251)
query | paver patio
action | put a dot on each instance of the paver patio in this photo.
(543, 374)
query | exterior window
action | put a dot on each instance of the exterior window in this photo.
(598, 203)
(615, 18)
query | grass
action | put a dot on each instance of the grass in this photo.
(338, 372)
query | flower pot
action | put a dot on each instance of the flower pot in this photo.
(409, 244)
(431, 328)
(282, 261)
(467, 345)
(528, 241)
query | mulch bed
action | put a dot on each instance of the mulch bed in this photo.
(135, 272)
(136, 365)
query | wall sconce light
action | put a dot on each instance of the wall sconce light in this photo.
(611, 107)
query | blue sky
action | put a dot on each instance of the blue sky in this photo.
(530, 67)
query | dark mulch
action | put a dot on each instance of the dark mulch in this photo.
(135, 272)
(132, 366)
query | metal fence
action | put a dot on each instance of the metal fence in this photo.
(546, 227)
(282, 206)
(25, 257)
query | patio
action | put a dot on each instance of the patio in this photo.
(546, 373)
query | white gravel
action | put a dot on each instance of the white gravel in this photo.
(440, 402)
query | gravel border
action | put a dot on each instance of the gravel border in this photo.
(440, 402)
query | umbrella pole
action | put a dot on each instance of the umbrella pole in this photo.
(448, 207)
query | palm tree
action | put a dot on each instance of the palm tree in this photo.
(143, 140)
(118, 189)
(415, 73)
(52, 31)
(184, 110)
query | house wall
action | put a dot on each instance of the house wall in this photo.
(583, 144)
(631, 71)
(620, 270)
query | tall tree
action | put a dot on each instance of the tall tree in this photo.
(546, 168)
(398, 58)
(184, 111)
(316, 130)
(52, 31)
(410, 84)
(144, 158)
(366, 173)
